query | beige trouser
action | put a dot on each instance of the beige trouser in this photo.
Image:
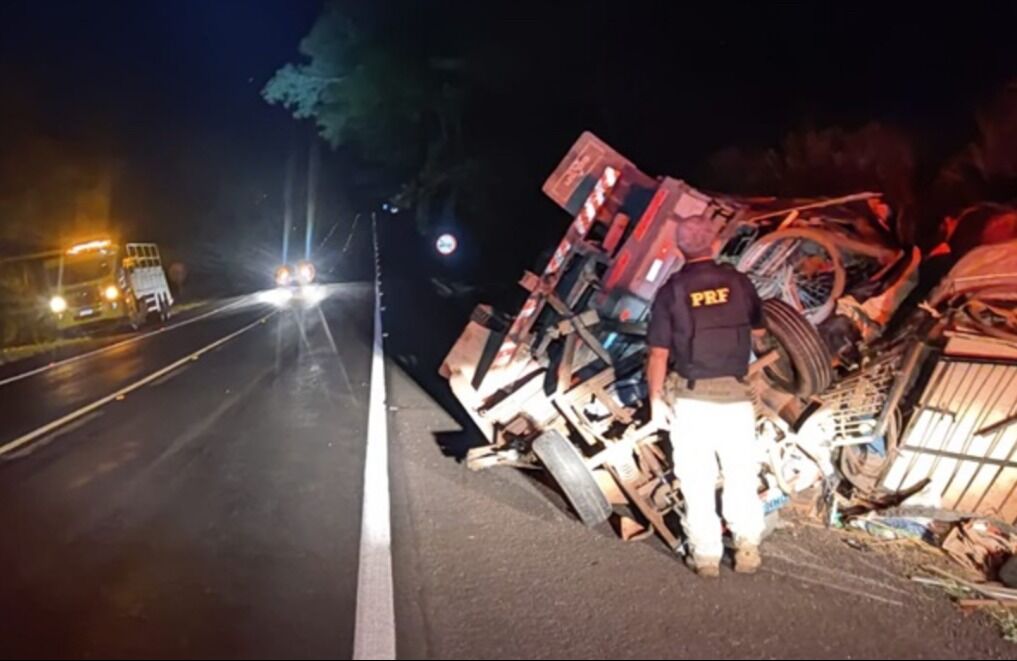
(702, 432)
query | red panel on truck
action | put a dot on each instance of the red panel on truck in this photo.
(578, 172)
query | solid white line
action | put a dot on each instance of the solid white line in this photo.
(88, 408)
(374, 635)
(110, 347)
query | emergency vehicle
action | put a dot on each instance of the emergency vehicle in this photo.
(96, 282)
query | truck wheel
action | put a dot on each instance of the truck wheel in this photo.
(563, 461)
(164, 310)
(804, 368)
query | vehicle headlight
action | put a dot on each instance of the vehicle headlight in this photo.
(57, 304)
(283, 276)
(111, 293)
(305, 272)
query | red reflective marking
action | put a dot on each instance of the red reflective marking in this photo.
(619, 267)
(614, 234)
(651, 211)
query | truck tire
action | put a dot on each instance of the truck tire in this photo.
(563, 461)
(150, 316)
(804, 368)
(164, 309)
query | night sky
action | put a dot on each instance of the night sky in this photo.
(168, 92)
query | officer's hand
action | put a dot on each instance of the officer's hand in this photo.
(660, 415)
(760, 342)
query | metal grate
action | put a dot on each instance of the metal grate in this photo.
(963, 437)
(856, 402)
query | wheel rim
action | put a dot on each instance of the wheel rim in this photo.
(801, 268)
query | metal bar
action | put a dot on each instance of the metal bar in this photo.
(946, 454)
(568, 357)
(574, 237)
(988, 407)
(584, 332)
(955, 423)
(647, 510)
(999, 470)
(510, 391)
(997, 426)
(566, 326)
(980, 360)
(901, 385)
(934, 393)
(617, 411)
(572, 416)
(608, 375)
(1013, 488)
(582, 283)
(487, 354)
(816, 205)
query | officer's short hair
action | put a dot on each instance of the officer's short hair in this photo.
(695, 237)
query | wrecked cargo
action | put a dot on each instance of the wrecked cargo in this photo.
(560, 386)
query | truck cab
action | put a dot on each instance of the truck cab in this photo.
(98, 282)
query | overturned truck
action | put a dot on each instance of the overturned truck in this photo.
(560, 384)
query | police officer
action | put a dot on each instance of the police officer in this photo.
(701, 327)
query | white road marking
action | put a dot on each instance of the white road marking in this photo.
(121, 343)
(374, 634)
(119, 394)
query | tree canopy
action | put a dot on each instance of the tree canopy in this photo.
(394, 107)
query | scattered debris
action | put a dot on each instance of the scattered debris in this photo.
(893, 528)
(857, 398)
(968, 604)
(981, 546)
(956, 585)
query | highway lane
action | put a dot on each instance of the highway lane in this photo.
(28, 403)
(214, 512)
(105, 338)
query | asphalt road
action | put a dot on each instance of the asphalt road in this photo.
(216, 512)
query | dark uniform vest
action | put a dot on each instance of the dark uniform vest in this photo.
(704, 315)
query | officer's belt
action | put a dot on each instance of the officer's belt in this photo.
(720, 389)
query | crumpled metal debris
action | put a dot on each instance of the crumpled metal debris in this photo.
(981, 546)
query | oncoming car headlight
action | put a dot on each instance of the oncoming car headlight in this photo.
(111, 293)
(306, 272)
(283, 276)
(57, 304)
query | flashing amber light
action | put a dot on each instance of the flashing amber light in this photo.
(89, 245)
